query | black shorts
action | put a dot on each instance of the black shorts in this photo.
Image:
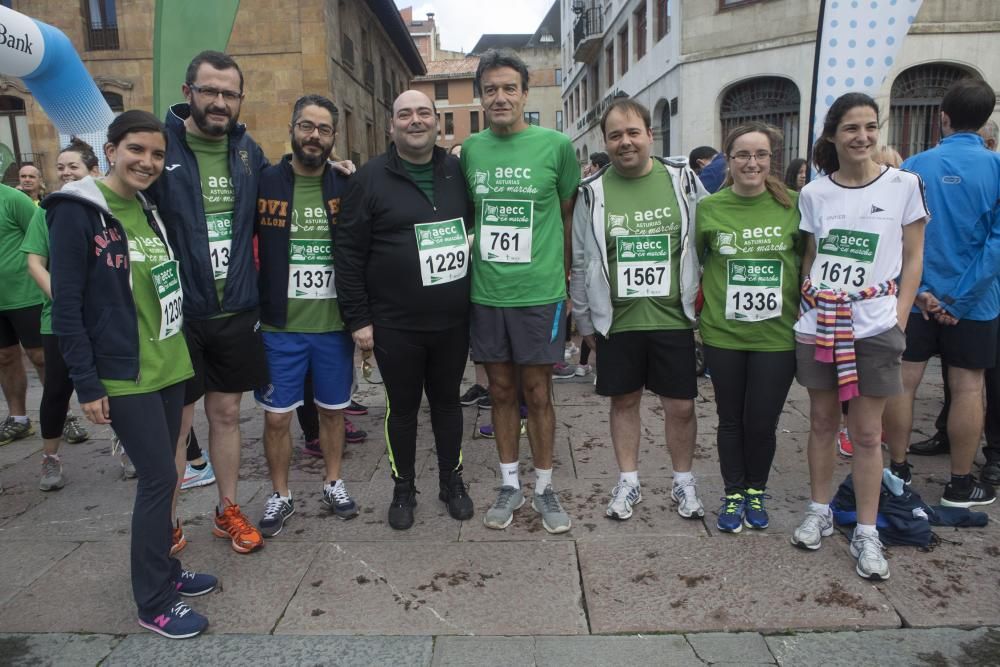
(661, 361)
(21, 325)
(227, 354)
(969, 344)
(525, 335)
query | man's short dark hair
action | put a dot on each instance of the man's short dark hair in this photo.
(313, 100)
(968, 103)
(216, 59)
(627, 105)
(599, 159)
(701, 153)
(493, 59)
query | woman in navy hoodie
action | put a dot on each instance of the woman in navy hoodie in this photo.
(117, 314)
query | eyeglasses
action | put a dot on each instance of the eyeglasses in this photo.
(743, 157)
(305, 127)
(209, 93)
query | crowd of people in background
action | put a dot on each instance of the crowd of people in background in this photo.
(195, 270)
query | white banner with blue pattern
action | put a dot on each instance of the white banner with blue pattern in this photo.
(858, 42)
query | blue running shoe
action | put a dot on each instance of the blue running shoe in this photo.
(336, 498)
(178, 622)
(731, 513)
(193, 584)
(755, 516)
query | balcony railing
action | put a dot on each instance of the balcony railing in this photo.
(102, 38)
(587, 35)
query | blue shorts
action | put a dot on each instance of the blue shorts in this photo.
(330, 356)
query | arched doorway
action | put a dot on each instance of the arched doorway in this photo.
(770, 99)
(915, 106)
(15, 141)
(665, 127)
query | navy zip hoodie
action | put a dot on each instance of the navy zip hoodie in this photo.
(178, 195)
(93, 312)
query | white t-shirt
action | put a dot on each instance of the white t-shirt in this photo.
(859, 241)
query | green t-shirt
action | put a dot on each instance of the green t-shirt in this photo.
(163, 353)
(36, 242)
(219, 198)
(751, 250)
(422, 175)
(643, 237)
(517, 183)
(312, 296)
(18, 289)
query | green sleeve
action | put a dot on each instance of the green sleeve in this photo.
(36, 239)
(569, 171)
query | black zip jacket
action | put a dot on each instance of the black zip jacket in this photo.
(177, 194)
(274, 212)
(375, 253)
(93, 312)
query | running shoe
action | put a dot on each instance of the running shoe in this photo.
(812, 530)
(731, 513)
(554, 517)
(623, 498)
(276, 511)
(571, 349)
(563, 371)
(487, 430)
(11, 430)
(312, 448)
(194, 478)
(52, 473)
(582, 370)
(871, 557)
(936, 444)
(335, 497)
(976, 493)
(231, 523)
(501, 513)
(193, 584)
(177, 539)
(686, 497)
(178, 622)
(356, 409)
(118, 451)
(991, 472)
(404, 499)
(352, 433)
(755, 515)
(844, 444)
(474, 395)
(454, 493)
(73, 431)
(901, 471)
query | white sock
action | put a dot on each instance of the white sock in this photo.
(865, 529)
(20, 420)
(508, 475)
(543, 478)
(285, 498)
(630, 478)
(681, 478)
(819, 508)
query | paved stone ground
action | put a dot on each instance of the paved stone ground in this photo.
(653, 590)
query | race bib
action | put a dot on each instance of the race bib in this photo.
(753, 289)
(643, 266)
(220, 239)
(167, 280)
(505, 234)
(444, 251)
(844, 260)
(310, 269)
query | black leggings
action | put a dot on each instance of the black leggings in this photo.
(750, 391)
(412, 362)
(57, 390)
(148, 426)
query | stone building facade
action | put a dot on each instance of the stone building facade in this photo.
(358, 52)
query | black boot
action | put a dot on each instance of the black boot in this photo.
(404, 499)
(453, 493)
(936, 444)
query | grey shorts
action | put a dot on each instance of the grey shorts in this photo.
(527, 335)
(879, 360)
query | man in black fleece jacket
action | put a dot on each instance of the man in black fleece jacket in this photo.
(402, 259)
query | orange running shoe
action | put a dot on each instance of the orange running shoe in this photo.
(179, 541)
(232, 523)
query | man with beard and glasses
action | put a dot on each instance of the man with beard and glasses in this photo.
(402, 258)
(298, 203)
(207, 198)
